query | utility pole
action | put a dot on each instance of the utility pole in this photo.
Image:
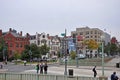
(65, 73)
(102, 59)
(65, 50)
(77, 65)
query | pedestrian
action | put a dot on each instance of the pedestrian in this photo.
(45, 68)
(25, 62)
(114, 76)
(94, 71)
(37, 68)
(41, 68)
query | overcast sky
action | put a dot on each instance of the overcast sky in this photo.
(54, 16)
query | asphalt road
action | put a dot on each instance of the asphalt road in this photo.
(11, 67)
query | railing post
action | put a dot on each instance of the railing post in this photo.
(5, 76)
(20, 76)
(37, 77)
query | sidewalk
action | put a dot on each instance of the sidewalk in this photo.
(81, 71)
(3, 70)
(109, 68)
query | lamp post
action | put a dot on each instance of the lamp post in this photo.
(76, 56)
(30, 53)
(65, 73)
(65, 50)
(102, 37)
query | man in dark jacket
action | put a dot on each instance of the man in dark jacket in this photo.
(95, 72)
(114, 76)
(45, 68)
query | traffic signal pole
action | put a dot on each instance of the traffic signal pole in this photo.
(65, 73)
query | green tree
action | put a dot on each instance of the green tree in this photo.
(31, 51)
(72, 54)
(34, 51)
(3, 46)
(44, 49)
(25, 53)
(107, 48)
(16, 56)
(113, 49)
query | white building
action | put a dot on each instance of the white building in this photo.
(40, 39)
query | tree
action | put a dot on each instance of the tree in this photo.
(16, 56)
(113, 48)
(3, 48)
(92, 44)
(72, 54)
(44, 49)
(31, 51)
(107, 48)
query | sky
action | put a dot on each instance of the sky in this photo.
(54, 16)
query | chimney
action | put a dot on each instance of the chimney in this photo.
(20, 33)
(27, 35)
(0, 33)
(10, 29)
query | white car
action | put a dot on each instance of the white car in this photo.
(81, 56)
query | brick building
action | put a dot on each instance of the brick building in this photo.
(15, 41)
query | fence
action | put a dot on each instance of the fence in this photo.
(18, 76)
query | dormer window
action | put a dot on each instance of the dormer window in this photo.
(43, 36)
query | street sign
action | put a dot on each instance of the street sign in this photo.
(62, 34)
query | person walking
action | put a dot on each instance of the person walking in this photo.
(45, 68)
(94, 71)
(114, 76)
(41, 68)
(37, 68)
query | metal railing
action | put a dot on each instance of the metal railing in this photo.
(20, 76)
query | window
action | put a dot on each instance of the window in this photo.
(43, 36)
(81, 33)
(21, 45)
(95, 32)
(91, 32)
(95, 36)
(87, 36)
(87, 32)
(17, 45)
(10, 44)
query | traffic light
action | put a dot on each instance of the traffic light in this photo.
(100, 48)
(67, 51)
(74, 38)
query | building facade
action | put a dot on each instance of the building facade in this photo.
(87, 33)
(40, 39)
(15, 41)
(55, 46)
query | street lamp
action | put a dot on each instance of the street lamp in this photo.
(65, 73)
(65, 44)
(102, 37)
(77, 65)
(30, 53)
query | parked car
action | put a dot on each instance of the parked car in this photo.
(63, 59)
(81, 56)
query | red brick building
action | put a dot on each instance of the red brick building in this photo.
(15, 41)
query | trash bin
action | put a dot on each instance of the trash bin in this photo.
(70, 72)
(117, 65)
